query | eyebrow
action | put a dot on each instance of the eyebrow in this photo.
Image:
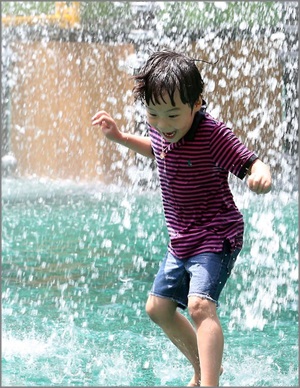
(170, 110)
(167, 111)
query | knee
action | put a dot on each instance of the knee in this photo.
(201, 309)
(150, 309)
(153, 310)
(159, 310)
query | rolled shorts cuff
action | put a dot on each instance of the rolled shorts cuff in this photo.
(179, 302)
(205, 296)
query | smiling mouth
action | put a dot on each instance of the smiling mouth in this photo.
(169, 135)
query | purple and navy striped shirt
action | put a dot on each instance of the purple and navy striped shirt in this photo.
(199, 207)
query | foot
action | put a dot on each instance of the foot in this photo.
(195, 381)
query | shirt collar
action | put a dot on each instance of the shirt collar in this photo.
(199, 117)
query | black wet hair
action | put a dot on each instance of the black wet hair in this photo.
(165, 72)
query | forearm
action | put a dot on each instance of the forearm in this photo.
(139, 144)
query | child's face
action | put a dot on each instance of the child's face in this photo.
(172, 122)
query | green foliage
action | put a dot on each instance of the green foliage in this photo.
(105, 16)
(176, 15)
(27, 8)
(114, 10)
(199, 15)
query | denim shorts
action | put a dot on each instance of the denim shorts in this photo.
(203, 275)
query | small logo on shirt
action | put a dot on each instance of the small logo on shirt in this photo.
(189, 163)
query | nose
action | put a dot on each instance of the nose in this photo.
(162, 125)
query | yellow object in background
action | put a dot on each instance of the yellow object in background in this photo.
(66, 16)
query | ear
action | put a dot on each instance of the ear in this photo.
(198, 103)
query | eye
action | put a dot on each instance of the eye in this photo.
(152, 114)
(173, 116)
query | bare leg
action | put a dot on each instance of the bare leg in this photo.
(210, 339)
(178, 328)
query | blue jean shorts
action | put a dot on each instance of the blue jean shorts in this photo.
(203, 275)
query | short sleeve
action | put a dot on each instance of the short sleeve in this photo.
(229, 153)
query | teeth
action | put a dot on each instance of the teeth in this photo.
(169, 134)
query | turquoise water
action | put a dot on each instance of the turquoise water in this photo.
(77, 264)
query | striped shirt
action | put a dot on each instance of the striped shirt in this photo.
(198, 205)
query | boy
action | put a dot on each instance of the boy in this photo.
(194, 154)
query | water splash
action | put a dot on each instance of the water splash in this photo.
(79, 256)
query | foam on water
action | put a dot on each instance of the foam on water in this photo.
(59, 361)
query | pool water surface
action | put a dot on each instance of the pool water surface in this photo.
(78, 262)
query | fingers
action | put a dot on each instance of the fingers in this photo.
(100, 117)
(107, 125)
(260, 181)
(258, 184)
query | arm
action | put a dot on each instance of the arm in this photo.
(139, 144)
(230, 154)
(259, 180)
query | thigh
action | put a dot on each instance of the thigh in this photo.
(209, 273)
(172, 281)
